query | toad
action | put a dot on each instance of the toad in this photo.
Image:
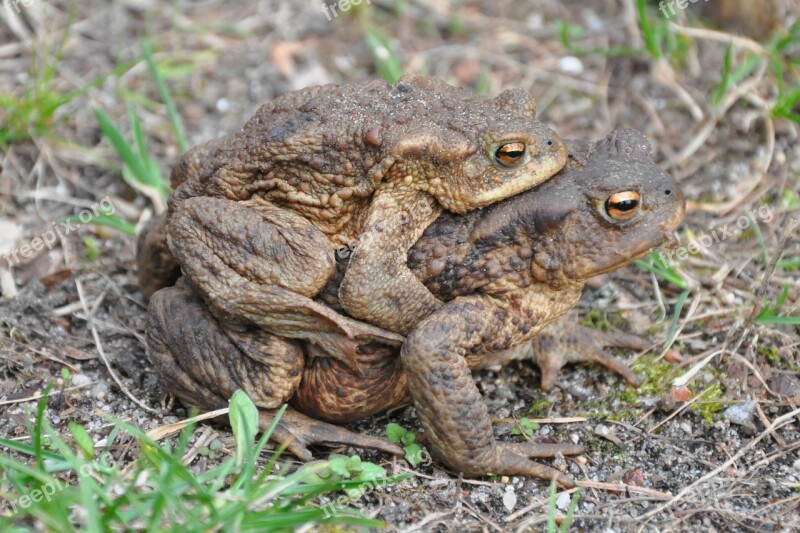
(255, 217)
(506, 272)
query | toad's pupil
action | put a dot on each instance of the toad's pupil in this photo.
(625, 205)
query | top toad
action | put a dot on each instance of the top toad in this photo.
(370, 165)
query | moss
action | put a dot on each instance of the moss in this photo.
(540, 408)
(708, 404)
(657, 375)
(600, 321)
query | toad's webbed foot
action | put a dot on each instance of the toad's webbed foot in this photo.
(563, 343)
(298, 431)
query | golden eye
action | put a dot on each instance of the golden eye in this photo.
(510, 154)
(622, 205)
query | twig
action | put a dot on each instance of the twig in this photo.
(680, 409)
(624, 487)
(99, 345)
(779, 422)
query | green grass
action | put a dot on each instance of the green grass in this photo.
(551, 511)
(782, 62)
(64, 487)
(139, 169)
(386, 62)
(660, 42)
(34, 111)
(770, 313)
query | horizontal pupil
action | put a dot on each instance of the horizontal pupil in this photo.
(625, 205)
(513, 153)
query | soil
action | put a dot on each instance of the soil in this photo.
(722, 454)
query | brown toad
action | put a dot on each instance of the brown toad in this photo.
(506, 271)
(256, 216)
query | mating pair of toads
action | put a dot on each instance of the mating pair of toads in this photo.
(470, 229)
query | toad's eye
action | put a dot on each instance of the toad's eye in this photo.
(623, 205)
(510, 154)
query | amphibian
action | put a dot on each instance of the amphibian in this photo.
(256, 217)
(506, 272)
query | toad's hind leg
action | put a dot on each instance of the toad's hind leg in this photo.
(156, 267)
(259, 264)
(203, 362)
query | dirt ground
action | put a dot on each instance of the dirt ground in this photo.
(724, 457)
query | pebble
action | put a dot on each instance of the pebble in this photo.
(796, 465)
(570, 65)
(562, 501)
(741, 413)
(574, 437)
(81, 380)
(602, 430)
(510, 498)
(223, 105)
(686, 427)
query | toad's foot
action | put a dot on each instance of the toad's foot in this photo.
(297, 431)
(563, 343)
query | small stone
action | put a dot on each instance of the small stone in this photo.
(602, 430)
(796, 465)
(504, 479)
(635, 477)
(570, 65)
(509, 498)
(680, 394)
(223, 105)
(740, 414)
(574, 437)
(81, 380)
(785, 384)
(686, 427)
(562, 501)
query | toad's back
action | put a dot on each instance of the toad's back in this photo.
(323, 150)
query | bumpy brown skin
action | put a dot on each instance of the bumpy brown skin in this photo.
(256, 217)
(522, 261)
(560, 235)
(509, 271)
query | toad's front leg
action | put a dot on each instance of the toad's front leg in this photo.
(256, 263)
(437, 355)
(378, 286)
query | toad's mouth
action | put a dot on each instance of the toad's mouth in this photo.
(507, 190)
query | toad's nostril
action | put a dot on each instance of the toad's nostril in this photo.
(668, 192)
(549, 142)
